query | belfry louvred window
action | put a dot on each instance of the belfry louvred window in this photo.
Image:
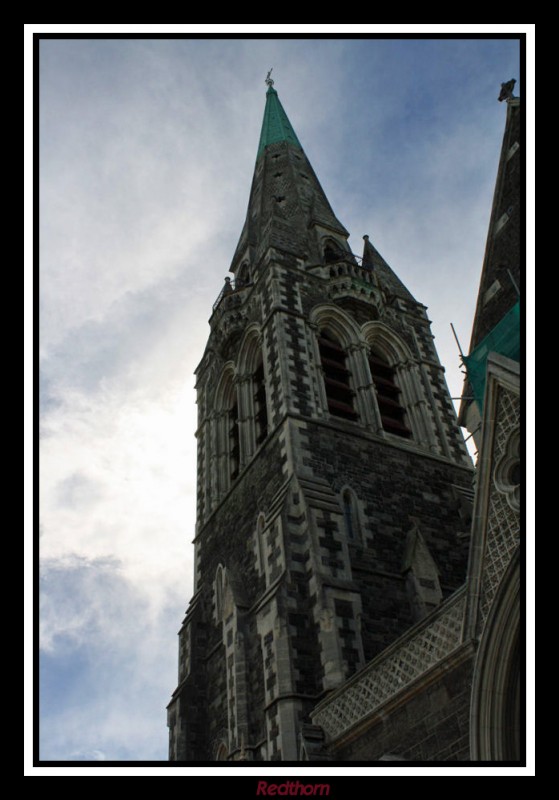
(260, 410)
(392, 413)
(336, 377)
(234, 444)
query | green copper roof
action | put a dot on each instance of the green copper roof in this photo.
(275, 127)
(503, 339)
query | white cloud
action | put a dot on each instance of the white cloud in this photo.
(108, 660)
(117, 481)
(87, 755)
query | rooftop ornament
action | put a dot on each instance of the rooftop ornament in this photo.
(506, 90)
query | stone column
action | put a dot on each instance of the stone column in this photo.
(247, 443)
(364, 391)
(317, 373)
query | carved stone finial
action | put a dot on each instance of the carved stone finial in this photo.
(269, 82)
(506, 90)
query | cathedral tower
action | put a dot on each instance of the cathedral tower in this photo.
(333, 481)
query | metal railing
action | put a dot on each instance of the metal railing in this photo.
(230, 289)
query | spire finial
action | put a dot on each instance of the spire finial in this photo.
(269, 81)
(506, 90)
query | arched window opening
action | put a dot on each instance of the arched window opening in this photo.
(336, 377)
(260, 409)
(226, 430)
(350, 519)
(332, 252)
(243, 276)
(219, 592)
(234, 441)
(260, 543)
(392, 413)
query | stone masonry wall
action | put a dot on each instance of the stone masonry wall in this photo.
(394, 489)
(310, 604)
(432, 725)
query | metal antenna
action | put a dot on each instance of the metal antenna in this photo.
(457, 342)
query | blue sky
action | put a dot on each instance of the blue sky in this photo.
(147, 149)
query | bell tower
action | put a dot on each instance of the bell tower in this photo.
(334, 485)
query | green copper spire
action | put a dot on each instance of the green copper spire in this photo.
(275, 127)
(287, 208)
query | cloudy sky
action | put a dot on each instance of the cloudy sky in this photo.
(147, 149)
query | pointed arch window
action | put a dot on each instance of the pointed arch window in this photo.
(339, 393)
(260, 407)
(253, 427)
(332, 252)
(392, 412)
(226, 430)
(243, 276)
(234, 439)
(219, 592)
(260, 543)
(352, 516)
(351, 519)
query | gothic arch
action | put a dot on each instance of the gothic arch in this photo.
(252, 393)
(219, 592)
(332, 250)
(250, 349)
(330, 317)
(226, 430)
(242, 277)
(507, 471)
(223, 594)
(495, 706)
(330, 321)
(224, 396)
(260, 544)
(378, 335)
(405, 410)
(352, 515)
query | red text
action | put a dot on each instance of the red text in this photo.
(293, 788)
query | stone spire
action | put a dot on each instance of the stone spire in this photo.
(287, 209)
(276, 126)
(386, 276)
